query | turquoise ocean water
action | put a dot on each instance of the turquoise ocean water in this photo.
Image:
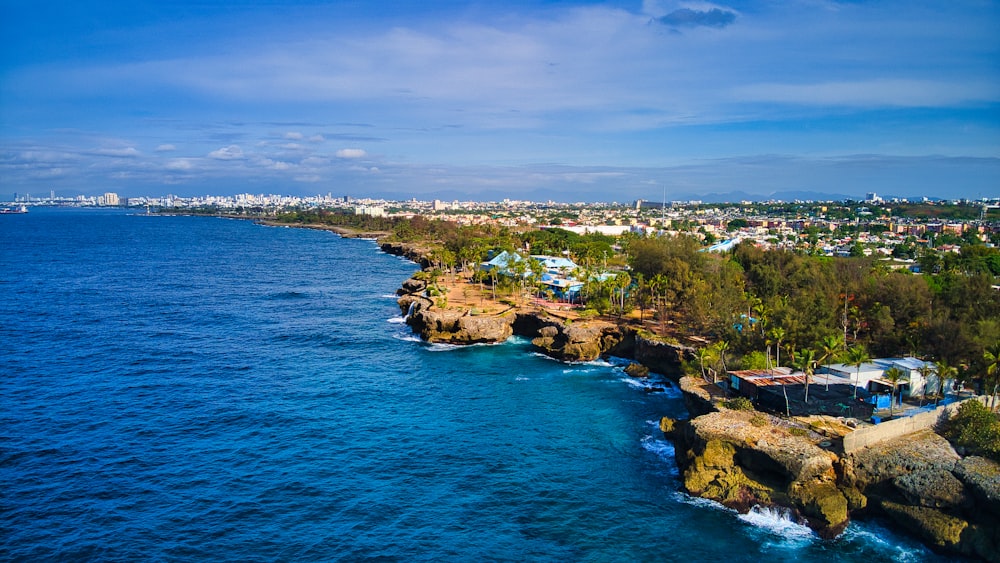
(183, 388)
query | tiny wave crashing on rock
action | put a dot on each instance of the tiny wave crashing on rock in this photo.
(780, 522)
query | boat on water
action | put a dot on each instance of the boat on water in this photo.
(13, 210)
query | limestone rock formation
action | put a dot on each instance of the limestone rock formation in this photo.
(982, 478)
(661, 357)
(742, 458)
(414, 252)
(458, 327)
(922, 484)
(578, 342)
(637, 370)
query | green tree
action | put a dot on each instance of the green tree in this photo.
(975, 428)
(737, 224)
(944, 373)
(832, 345)
(704, 354)
(857, 356)
(807, 364)
(777, 335)
(926, 371)
(992, 358)
(893, 375)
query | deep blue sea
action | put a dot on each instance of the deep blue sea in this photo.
(185, 388)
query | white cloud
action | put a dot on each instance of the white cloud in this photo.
(128, 152)
(180, 164)
(232, 152)
(293, 136)
(351, 153)
(308, 178)
(166, 148)
(316, 139)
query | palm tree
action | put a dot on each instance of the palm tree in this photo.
(945, 372)
(518, 268)
(723, 347)
(640, 293)
(806, 363)
(925, 370)
(777, 335)
(856, 356)
(704, 354)
(992, 357)
(658, 286)
(832, 346)
(893, 375)
(761, 310)
(622, 283)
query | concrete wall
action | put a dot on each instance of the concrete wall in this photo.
(864, 437)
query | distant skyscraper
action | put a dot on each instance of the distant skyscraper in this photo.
(111, 198)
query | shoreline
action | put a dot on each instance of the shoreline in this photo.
(742, 459)
(731, 456)
(342, 231)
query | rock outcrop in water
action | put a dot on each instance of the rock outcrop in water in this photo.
(745, 458)
(567, 341)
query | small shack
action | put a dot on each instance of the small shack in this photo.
(781, 391)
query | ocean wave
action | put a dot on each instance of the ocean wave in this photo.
(633, 382)
(871, 534)
(662, 448)
(780, 522)
(685, 498)
(579, 371)
(407, 337)
(442, 347)
(396, 320)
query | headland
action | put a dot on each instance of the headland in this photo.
(729, 452)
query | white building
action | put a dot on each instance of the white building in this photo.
(371, 211)
(872, 374)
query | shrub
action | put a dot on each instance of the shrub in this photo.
(796, 431)
(976, 429)
(753, 360)
(738, 404)
(758, 420)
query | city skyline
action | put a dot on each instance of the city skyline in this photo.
(563, 101)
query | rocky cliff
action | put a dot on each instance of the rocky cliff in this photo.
(568, 341)
(921, 483)
(416, 252)
(743, 458)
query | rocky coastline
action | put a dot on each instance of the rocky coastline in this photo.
(745, 458)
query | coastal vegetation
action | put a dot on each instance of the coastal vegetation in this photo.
(975, 429)
(791, 305)
(665, 302)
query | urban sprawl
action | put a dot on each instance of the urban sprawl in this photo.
(895, 228)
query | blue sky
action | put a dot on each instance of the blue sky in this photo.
(561, 100)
